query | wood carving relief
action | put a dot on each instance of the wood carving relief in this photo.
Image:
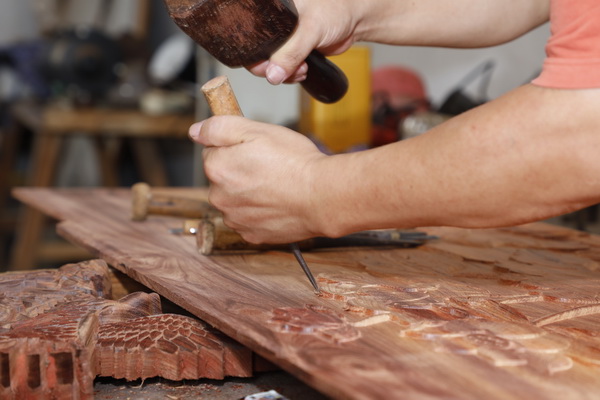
(492, 304)
(59, 329)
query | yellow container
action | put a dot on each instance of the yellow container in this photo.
(345, 125)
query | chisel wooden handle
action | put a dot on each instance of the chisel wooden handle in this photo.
(212, 233)
(214, 236)
(144, 202)
(222, 101)
(220, 97)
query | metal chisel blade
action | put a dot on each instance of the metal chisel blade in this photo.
(298, 254)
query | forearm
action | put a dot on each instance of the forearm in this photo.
(448, 23)
(513, 160)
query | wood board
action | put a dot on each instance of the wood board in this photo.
(497, 314)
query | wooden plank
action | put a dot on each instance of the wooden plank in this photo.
(497, 314)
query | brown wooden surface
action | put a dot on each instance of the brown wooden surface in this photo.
(478, 314)
(60, 120)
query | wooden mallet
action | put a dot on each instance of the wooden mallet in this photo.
(243, 32)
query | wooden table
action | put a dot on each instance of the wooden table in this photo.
(52, 124)
(478, 314)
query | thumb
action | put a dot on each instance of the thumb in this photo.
(219, 131)
(288, 60)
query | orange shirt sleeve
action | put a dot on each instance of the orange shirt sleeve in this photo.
(573, 50)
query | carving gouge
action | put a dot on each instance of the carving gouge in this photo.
(212, 235)
(222, 101)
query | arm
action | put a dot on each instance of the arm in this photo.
(333, 26)
(450, 23)
(528, 155)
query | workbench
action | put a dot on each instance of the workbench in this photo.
(53, 124)
(507, 313)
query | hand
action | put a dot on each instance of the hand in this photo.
(260, 177)
(327, 26)
(332, 26)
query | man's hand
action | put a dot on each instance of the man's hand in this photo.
(327, 26)
(332, 26)
(261, 177)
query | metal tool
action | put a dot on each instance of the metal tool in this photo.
(379, 238)
(212, 235)
(298, 254)
(222, 101)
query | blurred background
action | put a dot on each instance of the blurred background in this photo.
(101, 92)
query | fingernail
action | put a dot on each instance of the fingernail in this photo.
(300, 78)
(303, 70)
(275, 74)
(194, 130)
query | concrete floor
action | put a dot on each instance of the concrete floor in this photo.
(228, 389)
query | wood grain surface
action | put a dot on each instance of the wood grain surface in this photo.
(508, 313)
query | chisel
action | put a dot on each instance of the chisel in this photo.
(222, 101)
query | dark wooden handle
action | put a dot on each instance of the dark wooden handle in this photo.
(324, 80)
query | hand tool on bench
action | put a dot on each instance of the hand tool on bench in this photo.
(244, 32)
(189, 227)
(212, 235)
(145, 202)
(222, 101)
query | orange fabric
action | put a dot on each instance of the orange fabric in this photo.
(573, 50)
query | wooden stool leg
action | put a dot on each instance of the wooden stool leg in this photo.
(31, 221)
(149, 161)
(9, 147)
(108, 154)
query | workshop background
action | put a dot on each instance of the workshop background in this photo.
(144, 63)
(99, 93)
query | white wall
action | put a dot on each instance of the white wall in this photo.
(260, 100)
(442, 69)
(17, 21)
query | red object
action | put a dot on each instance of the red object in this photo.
(397, 92)
(396, 80)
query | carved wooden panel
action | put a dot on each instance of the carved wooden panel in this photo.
(59, 329)
(479, 314)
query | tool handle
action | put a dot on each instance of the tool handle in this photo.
(220, 97)
(213, 236)
(324, 81)
(144, 203)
